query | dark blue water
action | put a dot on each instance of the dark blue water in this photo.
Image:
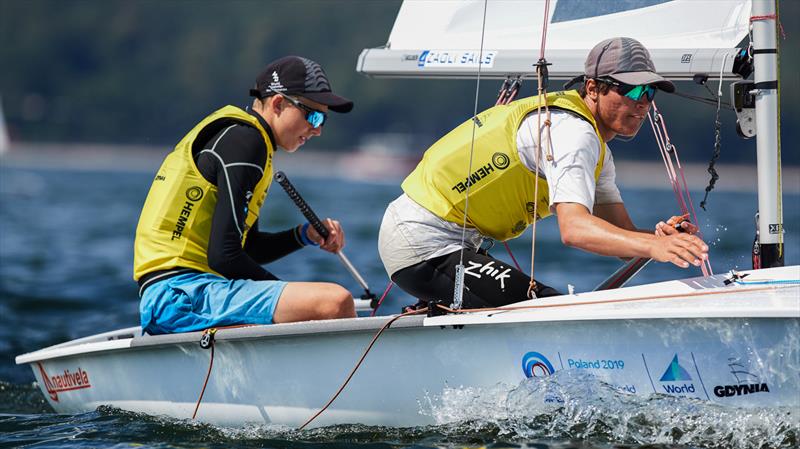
(66, 254)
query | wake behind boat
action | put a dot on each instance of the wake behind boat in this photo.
(731, 339)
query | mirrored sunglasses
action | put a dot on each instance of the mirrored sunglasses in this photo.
(314, 117)
(635, 93)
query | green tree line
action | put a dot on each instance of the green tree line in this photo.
(145, 71)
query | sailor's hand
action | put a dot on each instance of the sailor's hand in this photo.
(335, 241)
(680, 249)
(676, 224)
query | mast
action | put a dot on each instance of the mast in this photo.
(770, 222)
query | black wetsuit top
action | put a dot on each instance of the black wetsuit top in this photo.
(243, 146)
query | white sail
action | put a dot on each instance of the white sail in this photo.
(443, 37)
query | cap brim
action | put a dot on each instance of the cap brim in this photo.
(334, 102)
(573, 81)
(639, 78)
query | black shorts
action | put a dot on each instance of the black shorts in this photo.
(488, 282)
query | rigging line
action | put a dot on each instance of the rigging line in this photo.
(475, 121)
(541, 77)
(668, 152)
(209, 335)
(501, 96)
(360, 360)
(705, 266)
(544, 28)
(769, 282)
(514, 259)
(652, 118)
(717, 141)
(702, 100)
(383, 296)
(715, 97)
(685, 186)
(207, 341)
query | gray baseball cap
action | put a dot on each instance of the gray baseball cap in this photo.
(625, 60)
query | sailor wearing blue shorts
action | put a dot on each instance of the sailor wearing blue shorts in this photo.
(198, 252)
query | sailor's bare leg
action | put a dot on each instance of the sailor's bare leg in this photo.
(302, 301)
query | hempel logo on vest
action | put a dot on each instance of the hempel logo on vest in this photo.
(499, 161)
(746, 382)
(67, 381)
(193, 194)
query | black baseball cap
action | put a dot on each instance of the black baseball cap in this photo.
(295, 75)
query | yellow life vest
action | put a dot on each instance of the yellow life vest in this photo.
(501, 188)
(175, 224)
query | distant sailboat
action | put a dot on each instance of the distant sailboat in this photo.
(5, 142)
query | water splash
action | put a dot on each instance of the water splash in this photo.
(577, 406)
(591, 414)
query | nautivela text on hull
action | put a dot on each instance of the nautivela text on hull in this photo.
(731, 343)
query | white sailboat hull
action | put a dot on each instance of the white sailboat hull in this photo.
(736, 345)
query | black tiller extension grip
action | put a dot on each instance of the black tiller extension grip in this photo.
(301, 204)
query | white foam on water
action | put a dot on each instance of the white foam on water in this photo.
(577, 406)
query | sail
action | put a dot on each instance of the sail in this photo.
(4, 140)
(442, 38)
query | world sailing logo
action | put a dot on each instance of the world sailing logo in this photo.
(535, 364)
(67, 381)
(679, 380)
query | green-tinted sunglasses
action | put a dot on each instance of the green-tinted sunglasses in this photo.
(635, 93)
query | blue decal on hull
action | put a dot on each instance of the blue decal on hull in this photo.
(535, 364)
(675, 372)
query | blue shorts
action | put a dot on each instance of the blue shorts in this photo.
(196, 301)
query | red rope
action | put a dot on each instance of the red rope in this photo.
(770, 17)
(383, 296)
(668, 153)
(212, 331)
(208, 375)
(512, 256)
(358, 364)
